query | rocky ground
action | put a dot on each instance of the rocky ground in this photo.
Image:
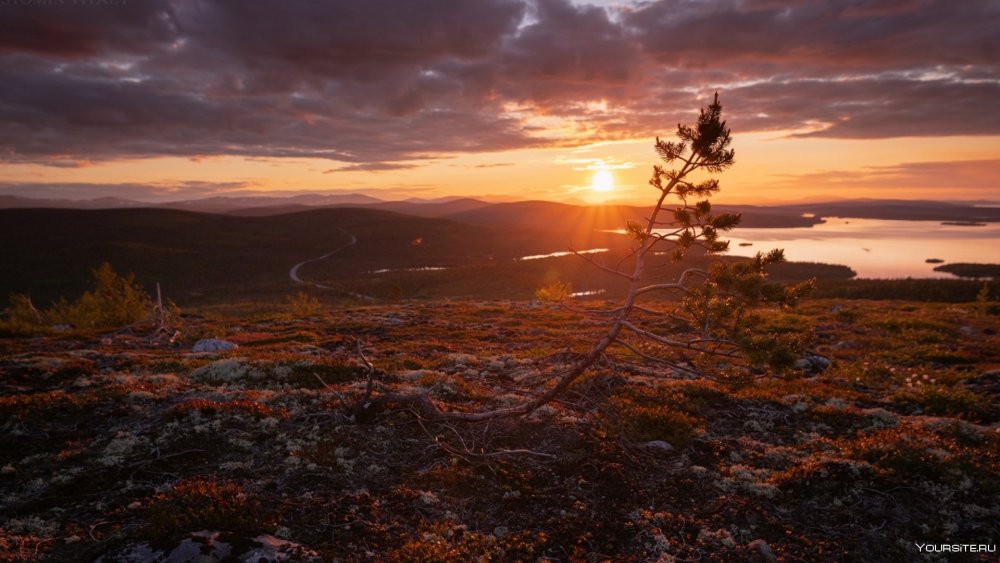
(116, 447)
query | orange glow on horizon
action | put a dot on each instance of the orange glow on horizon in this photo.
(770, 168)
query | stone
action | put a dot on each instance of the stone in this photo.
(463, 359)
(762, 549)
(213, 345)
(212, 546)
(658, 445)
(988, 383)
(812, 363)
(269, 549)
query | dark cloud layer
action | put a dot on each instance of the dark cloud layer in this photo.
(377, 83)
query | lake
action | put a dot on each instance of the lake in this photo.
(876, 248)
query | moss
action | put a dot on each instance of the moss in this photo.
(199, 503)
(946, 400)
(43, 403)
(658, 415)
(210, 407)
(907, 454)
(449, 541)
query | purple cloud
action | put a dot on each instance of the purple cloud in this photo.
(371, 84)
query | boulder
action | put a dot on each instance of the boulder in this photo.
(812, 363)
(658, 446)
(213, 345)
(761, 548)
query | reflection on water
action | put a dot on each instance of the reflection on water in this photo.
(559, 254)
(876, 248)
(589, 293)
(421, 269)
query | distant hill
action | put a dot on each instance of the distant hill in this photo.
(572, 218)
(19, 202)
(211, 258)
(49, 252)
(904, 210)
(226, 204)
(546, 215)
(445, 208)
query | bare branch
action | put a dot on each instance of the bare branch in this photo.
(680, 284)
(601, 266)
(678, 344)
(657, 359)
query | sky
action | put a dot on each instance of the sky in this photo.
(160, 100)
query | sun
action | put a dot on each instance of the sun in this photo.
(603, 181)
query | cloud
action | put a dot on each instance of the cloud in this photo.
(126, 190)
(372, 167)
(74, 30)
(835, 34)
(372, 84)
(939, 179)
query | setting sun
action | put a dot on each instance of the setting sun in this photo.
(603, 181)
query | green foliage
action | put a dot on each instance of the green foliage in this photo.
(115, 301)
(724, 308)
(303, 305)
(22, 318)
(554, 292)
(983, 296)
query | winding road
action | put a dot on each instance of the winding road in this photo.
(294, 272)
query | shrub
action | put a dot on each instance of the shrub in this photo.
(199, 504)
(304, 305)
(115, 301)
(22, 318)
(554, 292)
(944, 400)
(644, 417)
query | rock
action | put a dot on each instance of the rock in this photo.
(500, 531)
(967, 330)
(418, 374)
(211, 546)
(463, 359)
(762, 549)
(988, 383)
(213, 345)
(658, 445)
(270, 549)
(812, 363)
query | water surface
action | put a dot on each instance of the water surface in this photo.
(876, 248)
